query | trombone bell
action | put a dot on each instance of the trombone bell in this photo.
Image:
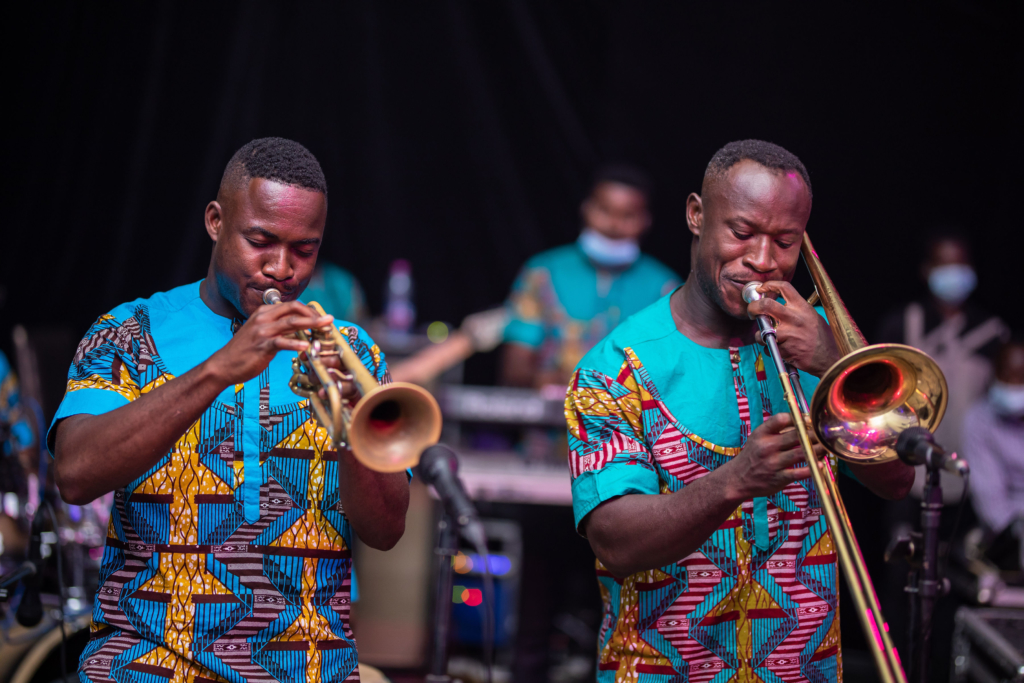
(874, 392)
(871, 395)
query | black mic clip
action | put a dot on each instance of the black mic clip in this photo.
(439, 468)
(916, 446)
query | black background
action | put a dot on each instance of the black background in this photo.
(462, 135)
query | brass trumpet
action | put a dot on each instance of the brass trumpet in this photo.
(390, 425)
(858, 411)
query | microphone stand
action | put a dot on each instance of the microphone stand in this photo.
(925, 587)
(921, 551)
(447, 548)
(26, 570)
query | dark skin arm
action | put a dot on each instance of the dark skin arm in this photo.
(95, 454)
(638, 532)
(518, 366)
(519, 369)
(806, 341)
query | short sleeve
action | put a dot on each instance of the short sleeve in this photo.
(526, 307)
(105, 371)
(608, 457)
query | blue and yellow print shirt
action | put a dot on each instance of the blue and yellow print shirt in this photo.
(649, 411)
(229, 560)
(562, 304)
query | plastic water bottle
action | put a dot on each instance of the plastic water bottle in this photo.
(399, 311)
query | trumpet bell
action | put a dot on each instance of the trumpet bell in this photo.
(871, 395)
(392, 425)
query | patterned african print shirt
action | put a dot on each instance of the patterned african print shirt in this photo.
(562, 304)
(230, 559)
(649, 411)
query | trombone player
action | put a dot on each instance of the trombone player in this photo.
(228, 555)
(713, 558)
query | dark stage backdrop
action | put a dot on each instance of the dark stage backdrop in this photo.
(461, 135)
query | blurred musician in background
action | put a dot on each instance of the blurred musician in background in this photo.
(562, 303)
(337, 291)
(687, 479)
(961, 338)
(994, 446)
(567, 299)
(16, 439)
(15, 423)
(233, 516)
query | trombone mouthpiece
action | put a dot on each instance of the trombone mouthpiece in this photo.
(272, 296)
(750, 293)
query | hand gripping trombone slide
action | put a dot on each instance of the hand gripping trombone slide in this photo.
(860, 407)
(390, 425)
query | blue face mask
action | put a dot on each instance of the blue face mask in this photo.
(1007, 399)
(604, 251)
(952, 283)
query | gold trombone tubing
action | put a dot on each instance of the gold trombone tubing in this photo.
(848, 551)
(912, 394)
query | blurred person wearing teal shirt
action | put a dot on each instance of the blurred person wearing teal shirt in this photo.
(567, 299)
(338, 291)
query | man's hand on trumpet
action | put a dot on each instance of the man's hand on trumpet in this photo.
(331, 359)
(270, 329)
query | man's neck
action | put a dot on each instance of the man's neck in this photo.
(210, 293)
(704, 322)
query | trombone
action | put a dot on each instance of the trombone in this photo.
(390, 425)
(858, 410)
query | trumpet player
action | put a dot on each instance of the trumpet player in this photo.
(228, 554)
(713, 559)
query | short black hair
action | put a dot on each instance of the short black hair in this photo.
(767, 154)
(936, 235)
(279, 159)
(624, 174)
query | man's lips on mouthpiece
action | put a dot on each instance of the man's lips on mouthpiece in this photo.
(286, 294)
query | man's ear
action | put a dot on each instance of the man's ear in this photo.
(695, 214)
(214, 219)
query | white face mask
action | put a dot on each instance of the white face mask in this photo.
(606, 251)
(952, 283)
(1007, 399)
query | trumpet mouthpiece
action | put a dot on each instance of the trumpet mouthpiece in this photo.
(271, 296)
(750, 293)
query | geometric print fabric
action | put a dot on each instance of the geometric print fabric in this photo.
(733, 610)
(561, 304)
(194, 587)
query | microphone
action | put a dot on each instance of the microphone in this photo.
(30, 609)
(916, 446)
(764, 323)
(439, 468)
